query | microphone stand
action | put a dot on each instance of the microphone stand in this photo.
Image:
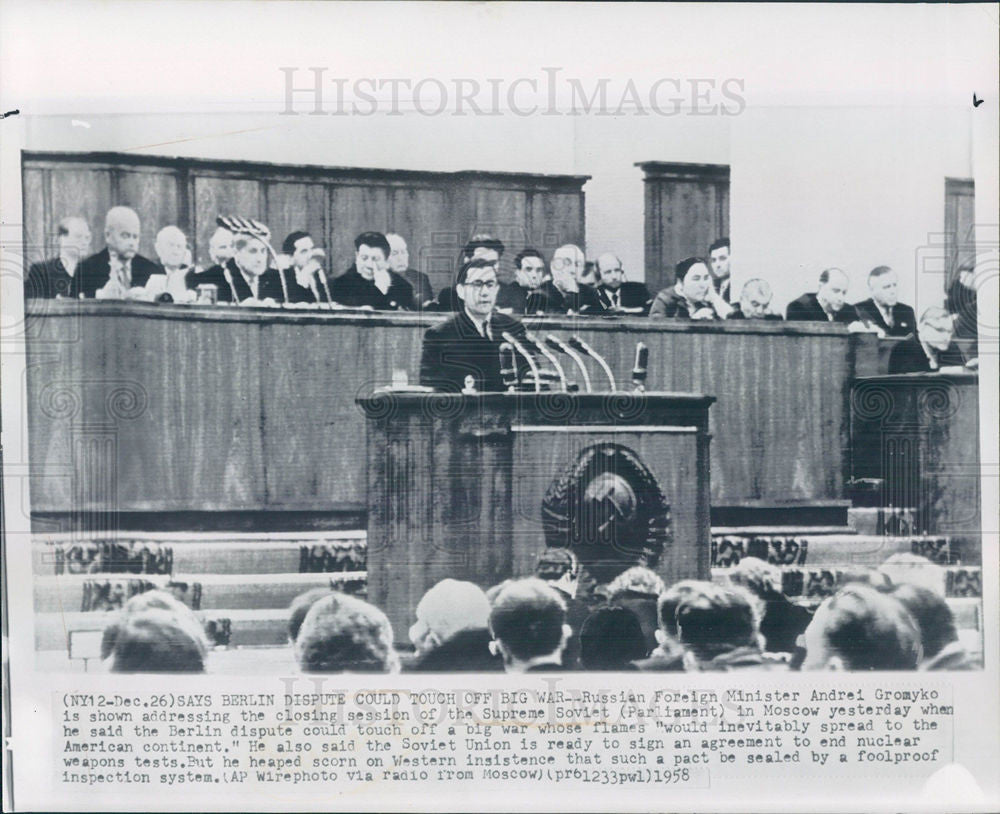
(556, 343)
(531, 361)
(540, 347)
(508, 366)
(578, 343)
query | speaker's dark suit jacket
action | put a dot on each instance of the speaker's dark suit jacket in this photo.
(455, 349)
(904, 321)
(95, 271)
(807, 309)
(49, 279)
(630, 295)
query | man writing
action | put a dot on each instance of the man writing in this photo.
(463, 353)
(55, 277)
(118, 269)
(883, 309)
(931, 349)
(617, 295)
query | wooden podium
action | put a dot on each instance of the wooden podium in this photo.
(456, 481)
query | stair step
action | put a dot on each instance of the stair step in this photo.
(781, 513)
(95, 592)
(829, 549)
(201, 554)
(878, 520)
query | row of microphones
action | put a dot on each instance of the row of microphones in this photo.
(575, 348)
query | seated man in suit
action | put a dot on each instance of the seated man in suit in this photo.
(399, 262)
(246, 277)
(883, 309)
(55, 277)
(563, 289)
(828, 304)
(463, 353)
(118, 269)
(930, 349)
(368, 283)
(528, 623)
(177, 279)
(692, 296)
(305, 279)
(755, 302)
(220, 249)
(617, 295)
(524, 295)
(720, 256)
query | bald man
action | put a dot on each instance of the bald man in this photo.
(618, 295)
(563, 290)
(57, 277)
(118, 267)
(828, 304)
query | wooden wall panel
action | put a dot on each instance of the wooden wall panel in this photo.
(503, 214)
(39, 234)
(426, 220)
(214, 196)
(554, 219)
(353, 210)
(248, 410)
(154, 195)
(296, 207)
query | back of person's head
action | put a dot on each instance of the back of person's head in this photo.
(528, 619)
(666, 605)
(610, 639)
(712, 620)
(682, 268)
(635, 581)
(300, 607)
(156, 599)
(865, 575)
(915, 570)
(345, 634)
(932, 614)
(448, 608)
(759, 577)
(934, 315)
(860, 628)
(156, 641)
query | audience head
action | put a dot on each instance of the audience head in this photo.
(609, 268)
(220, 245)
(156, 599)
(936, 328)
(759, 577)
(755, 299)
(560, 568)
(73, 236)
(448, 608)
(666, 606)
(528, 623)
(250, 254)
(345, 634)
(477, 286)
(567, 262)
(300, 607)
(171, 247)
(399, 254)
(932, 615)
(712, 620)
(299, 246)
(636, 580)
(485, 247)
(719, 254)
(371, 253)
(865, 575)
(529, 269)
(883, 283)
(694, 278)
(832, 293)
(156, 641)
(906, 567)
(610, 639)
(860, 628)
(121, 231)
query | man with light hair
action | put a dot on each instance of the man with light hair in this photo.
(564, 290)
(451, 632)
(828, 304)
(618, 295)
(755, 302)
(399, 263)
(782, 621)
(344, 634)
(171, 248)
(931, 349)
(57, 277)
(528, 623)
(117, 269)
(883, 309)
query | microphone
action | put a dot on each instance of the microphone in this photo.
(583, 347)
(508, 368)
(531, 361)
(639, 368)
(556, 343)
(534, 344)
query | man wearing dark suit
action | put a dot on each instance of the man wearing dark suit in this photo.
(305, 280)
(54, 277)
(116, 269)
(930, 349)
(399, 263)
(245, 277)
(720, 256)
(828, 304)
(220, 249)
(463, 353)
(618, 296)
(755, 302)
(883, 308)
(524, 295)
(358, 287)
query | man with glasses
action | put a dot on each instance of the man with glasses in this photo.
(564, 291)
(463, 353)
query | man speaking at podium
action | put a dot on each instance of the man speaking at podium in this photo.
(463, 353)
